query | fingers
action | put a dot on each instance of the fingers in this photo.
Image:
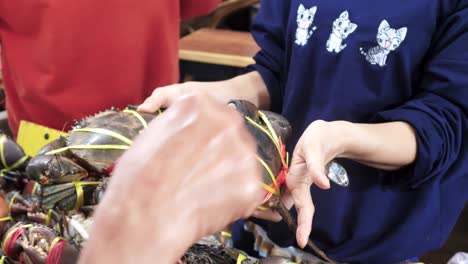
(317, 173)
(246, 172)
(199, 149)
(305, 213)
(224, 172)
(153, 103)
(252, 192)
(297, 173)
(315, 163)
(299, 180)
(160, 98)
(307, 167)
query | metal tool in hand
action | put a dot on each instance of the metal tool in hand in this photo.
(337, 174)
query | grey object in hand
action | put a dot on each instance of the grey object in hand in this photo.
(337, 174)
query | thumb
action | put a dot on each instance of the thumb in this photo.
(150, 105)
(158, 99)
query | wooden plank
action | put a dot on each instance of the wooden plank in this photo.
(222, 47)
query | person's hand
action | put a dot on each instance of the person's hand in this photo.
(189, 174)
(319, 144)
(249, 87)
(164, 97)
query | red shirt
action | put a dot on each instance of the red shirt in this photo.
(63, 60)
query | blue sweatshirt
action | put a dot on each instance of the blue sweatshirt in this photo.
(374, 61)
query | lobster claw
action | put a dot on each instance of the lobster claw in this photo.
(38, 243)
(66, 197)
(31, 255)
(41, 245)
(11, 242)
(70, 254)
(50, 169)
(11, 153)
(19, 204)
(13, 161)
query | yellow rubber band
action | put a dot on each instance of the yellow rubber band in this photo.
(2, 150)
(18, 163)
(12, 201)
(79, 196)
(106, 132)
(3, 159)
(124, 147)
(138, 116)
(276, 143)
(79, 193)
(48, 218)
(268, 124)
(269, 189)
(36, 185)
(240, 258)
(54, 242)
(6, 218)
(273, 133)
(14, 166)
(87, 183)
(268, 169)
(8, 236)
(226, 234)
(56, 151)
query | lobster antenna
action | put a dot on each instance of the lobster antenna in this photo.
(64, 126)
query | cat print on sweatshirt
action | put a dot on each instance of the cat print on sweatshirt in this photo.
(388, 39)
(305, 19)
(342, 28)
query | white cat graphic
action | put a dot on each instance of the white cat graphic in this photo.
(305, 18)
(388, 39)
(342, 28)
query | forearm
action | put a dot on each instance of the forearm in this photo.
(388, 146)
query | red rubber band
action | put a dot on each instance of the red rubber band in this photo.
(10, 243)
(55, 253)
